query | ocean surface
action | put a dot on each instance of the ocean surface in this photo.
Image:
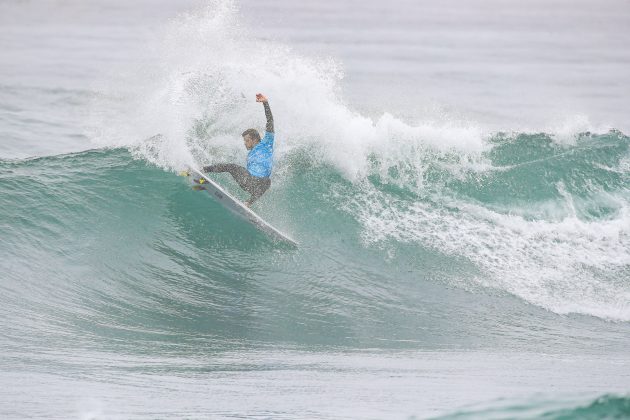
(457, 174)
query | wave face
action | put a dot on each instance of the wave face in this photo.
(105, 241)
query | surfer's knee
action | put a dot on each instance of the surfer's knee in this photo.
(261, 187)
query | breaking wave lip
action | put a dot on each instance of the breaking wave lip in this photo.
(199, 97)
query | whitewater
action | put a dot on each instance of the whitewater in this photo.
(457, 178)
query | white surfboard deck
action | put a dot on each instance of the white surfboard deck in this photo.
(238, 208)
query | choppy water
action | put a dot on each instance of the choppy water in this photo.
(456, 260)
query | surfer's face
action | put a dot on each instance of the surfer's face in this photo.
(249, 142)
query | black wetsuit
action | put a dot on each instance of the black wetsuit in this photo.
(254, 185)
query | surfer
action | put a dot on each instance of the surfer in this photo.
(255, 178)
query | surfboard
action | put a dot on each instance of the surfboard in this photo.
(235, 206)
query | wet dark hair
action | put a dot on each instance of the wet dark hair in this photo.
(253, 133)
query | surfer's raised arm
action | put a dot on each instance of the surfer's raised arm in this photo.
(262, 98)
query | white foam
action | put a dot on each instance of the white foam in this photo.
(205, 72)
(565, 130)
(207, 67)
(569, 266)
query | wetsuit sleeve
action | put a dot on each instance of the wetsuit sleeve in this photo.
(269, 116)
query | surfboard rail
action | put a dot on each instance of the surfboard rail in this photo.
(237, 207)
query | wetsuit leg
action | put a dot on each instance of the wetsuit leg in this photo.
(254, 185)
(258, 187)
(239, 173)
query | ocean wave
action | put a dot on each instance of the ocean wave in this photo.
(604, 407)
(140, 233)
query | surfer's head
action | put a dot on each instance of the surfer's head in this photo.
(251, 137)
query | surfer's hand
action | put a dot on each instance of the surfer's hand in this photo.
(261, 98)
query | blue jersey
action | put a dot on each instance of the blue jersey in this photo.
(260, 158)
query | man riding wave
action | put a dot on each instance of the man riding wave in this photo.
(255, 179)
